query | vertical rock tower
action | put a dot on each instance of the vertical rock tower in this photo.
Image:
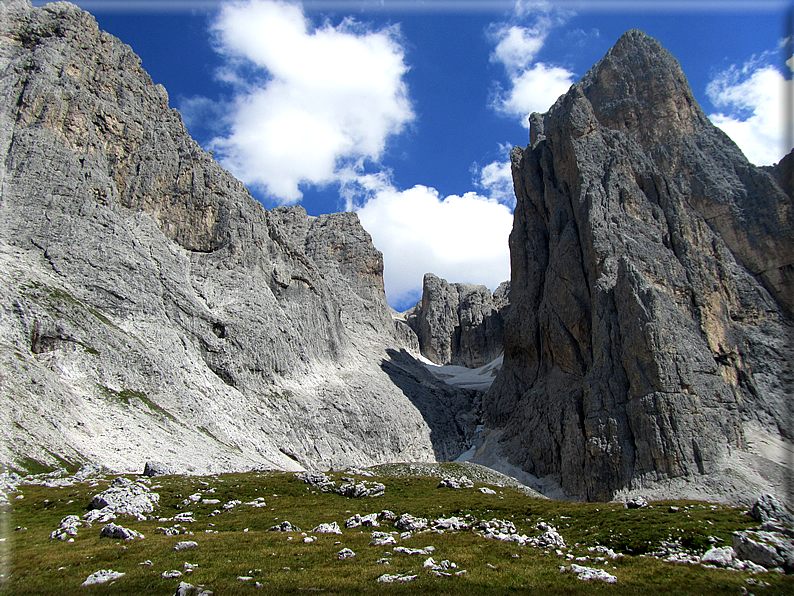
(650, 332)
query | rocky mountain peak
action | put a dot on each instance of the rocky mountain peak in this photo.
(639, 88)
(651, 286)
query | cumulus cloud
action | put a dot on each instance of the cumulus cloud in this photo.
(533, 90)
(533, 86)
(321, 97)
(460, 238)
(496, 178)
(753, 97)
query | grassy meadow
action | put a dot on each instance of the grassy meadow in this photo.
(236, 542)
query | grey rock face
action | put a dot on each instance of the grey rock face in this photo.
(151, 309)
(768, 549)
(648, 310)
(768, 508)
(460, 324)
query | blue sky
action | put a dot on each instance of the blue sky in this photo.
(405, 110)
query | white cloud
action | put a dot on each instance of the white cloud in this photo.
(496, 178)
(459, 238)
(324, 96)
(753, 97)
(517, 46)
(533, 90)
(533, 86)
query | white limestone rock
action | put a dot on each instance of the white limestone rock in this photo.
(102, 576)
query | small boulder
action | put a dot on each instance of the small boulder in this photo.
(111, 530)
(102, 576)
(636, 503)
(590, 573)
(408, 523)
(382, 539)
(156, 468)
(67, 528)
(284, 526)
(345, 553)
(722, 556)
(332, 528)
(387, 578)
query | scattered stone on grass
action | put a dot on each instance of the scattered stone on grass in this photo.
(345, 553)
(67, 528)
(441, 569)
(126, 497)
(102, 576)
(381, 539)
(111, 530)
(487, 491)
(284, 526)
(171, 574)
(607, 552)
(332, 528)
(414, 551)
(550, 537)
(453, 482)
(358, 490)
(451, 523)
(351, 488)
(499, 529)
(387, 578)
(186, 589)
(185, 545)
(408, 523)
(589, 573)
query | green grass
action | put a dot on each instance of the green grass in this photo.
(130, 396)
(284, 564)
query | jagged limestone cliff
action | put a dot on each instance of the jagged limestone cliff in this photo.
(648, 338)
(459, 324)
(151, 309)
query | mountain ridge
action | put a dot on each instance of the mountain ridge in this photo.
(158, 311)
(153, 311)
